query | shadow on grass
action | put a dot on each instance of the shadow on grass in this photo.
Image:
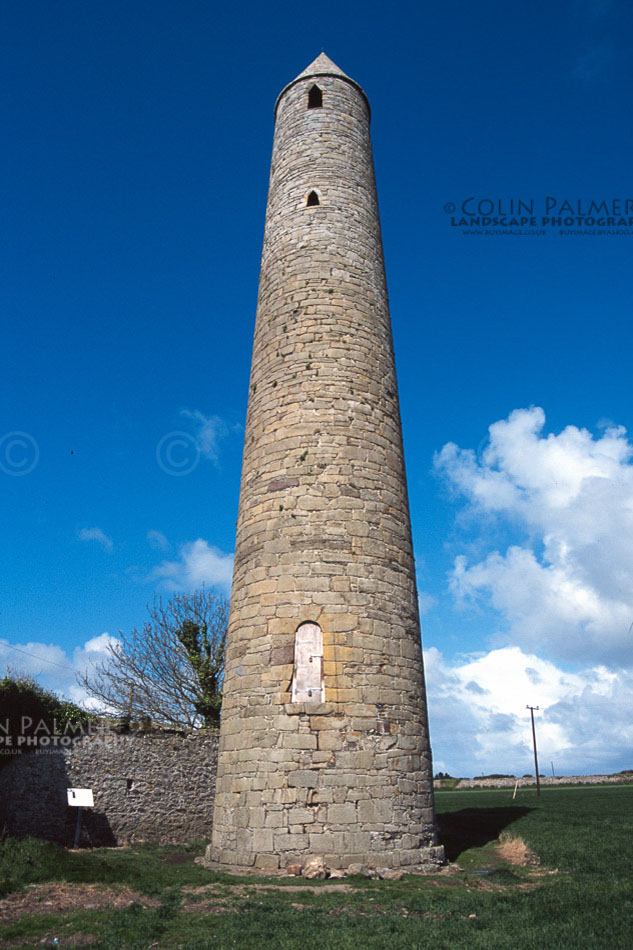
(474, 827)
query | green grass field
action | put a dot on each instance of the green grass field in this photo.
(577, 894)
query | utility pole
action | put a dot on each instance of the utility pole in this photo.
(538, 781)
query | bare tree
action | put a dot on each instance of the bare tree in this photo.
(171, 670)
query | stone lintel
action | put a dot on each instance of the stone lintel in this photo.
(311, 709)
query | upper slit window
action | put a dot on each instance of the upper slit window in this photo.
(315, 98)
(313, 199)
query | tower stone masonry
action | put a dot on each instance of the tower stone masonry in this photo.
(324, 746)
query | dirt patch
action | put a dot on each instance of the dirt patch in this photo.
(514, 851)
(243, 889)
(178, 858)
(46, 940)
(216, 898)
(305, 888)
(209, 907)
(62, 898)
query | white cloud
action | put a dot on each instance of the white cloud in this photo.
(32, 658)
(567, 589)
(479, 723)
(84, 660)
(157, 540)
(52, 667)
(94, 650)
(210, 430)
(199, 563)
(96, 534)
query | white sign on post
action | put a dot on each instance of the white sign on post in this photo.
(80, 797)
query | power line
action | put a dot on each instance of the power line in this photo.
(36, 657)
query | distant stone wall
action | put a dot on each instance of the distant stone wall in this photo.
(530, 781)
(147, 787)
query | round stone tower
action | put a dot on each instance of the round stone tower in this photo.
(324, 746)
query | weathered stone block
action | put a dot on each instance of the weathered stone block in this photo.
(341, 814)
(282, 655)
(262, 840)
(299, 740)
(303, 779)
(330, 740)
(301, 815)
(319, 723)
(267, 861)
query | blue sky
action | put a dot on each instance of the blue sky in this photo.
(134, 176)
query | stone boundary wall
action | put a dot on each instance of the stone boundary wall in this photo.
(439, 784)
(154, 786)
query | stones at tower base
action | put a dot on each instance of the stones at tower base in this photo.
(316, 867)
(329, 784)
(344, 815)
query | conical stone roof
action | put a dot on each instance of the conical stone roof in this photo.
(320, 66)
(323, 66)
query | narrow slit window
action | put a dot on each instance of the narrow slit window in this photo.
(315, 98)
(307, 681)
(313, 199)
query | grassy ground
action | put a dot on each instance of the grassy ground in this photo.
(571, 886)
